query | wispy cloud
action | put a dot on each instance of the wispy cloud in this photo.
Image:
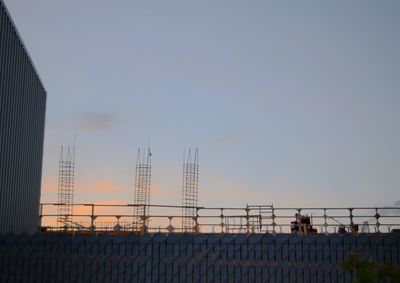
(99, 186)
(390, 210)
(227, 193)
(156, 191)
(92, 121)
(97, 121)
(107, 186)
(228, 137)
(104, 188)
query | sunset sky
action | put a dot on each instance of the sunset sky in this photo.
(291, 103)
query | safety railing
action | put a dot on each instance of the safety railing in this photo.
(120, 218)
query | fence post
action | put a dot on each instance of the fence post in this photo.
(144, 220)
(273, 221)
(196, 221)
(247, 220)
(377, 216)
(170, 228)
(222, 224)
(351, 220)
(92, 219)
(41, 215)
(325, 221)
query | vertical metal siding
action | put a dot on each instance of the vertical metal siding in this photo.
(189, 258)
(22, 118)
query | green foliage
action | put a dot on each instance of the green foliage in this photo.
(388, 271)
(368, 272)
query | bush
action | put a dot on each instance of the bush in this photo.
(369, 272)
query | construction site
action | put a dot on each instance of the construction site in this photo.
(298, 87)
(141, 216)
(142, 241)
(146, 242)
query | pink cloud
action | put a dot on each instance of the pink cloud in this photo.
(49, 185)
(107, 186)
(155, 191)
(97, 121)
(103, 185)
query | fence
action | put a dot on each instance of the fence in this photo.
(255, 219)
(188, 258)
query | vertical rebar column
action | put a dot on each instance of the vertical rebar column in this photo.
(190, 190)
(66, 172)
(142, 190)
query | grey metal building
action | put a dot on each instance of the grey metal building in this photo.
(22, 119)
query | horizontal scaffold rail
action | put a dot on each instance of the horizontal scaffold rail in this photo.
(256, 219)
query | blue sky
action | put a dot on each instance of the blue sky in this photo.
(291, 103)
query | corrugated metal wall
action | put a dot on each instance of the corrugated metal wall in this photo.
(22, 115)
(187, 258)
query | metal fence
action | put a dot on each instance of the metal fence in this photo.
(254, 219)
(67, 257)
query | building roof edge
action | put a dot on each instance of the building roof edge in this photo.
(22, 43)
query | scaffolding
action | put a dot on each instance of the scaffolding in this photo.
(260, 218)
(142, 190)
(66, 171)
(190, 190)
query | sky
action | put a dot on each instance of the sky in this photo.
(290, 103)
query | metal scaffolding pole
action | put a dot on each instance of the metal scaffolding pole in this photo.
(142, 190)
(190, 190)
(66, 179)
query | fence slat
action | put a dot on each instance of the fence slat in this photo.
(189, 258)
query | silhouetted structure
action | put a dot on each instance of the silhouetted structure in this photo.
(189, 258)
(66, 183)
(190, 190)
(142, 189)
(22, 118)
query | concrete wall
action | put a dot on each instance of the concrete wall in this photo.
(187, 258)
(22, 118)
